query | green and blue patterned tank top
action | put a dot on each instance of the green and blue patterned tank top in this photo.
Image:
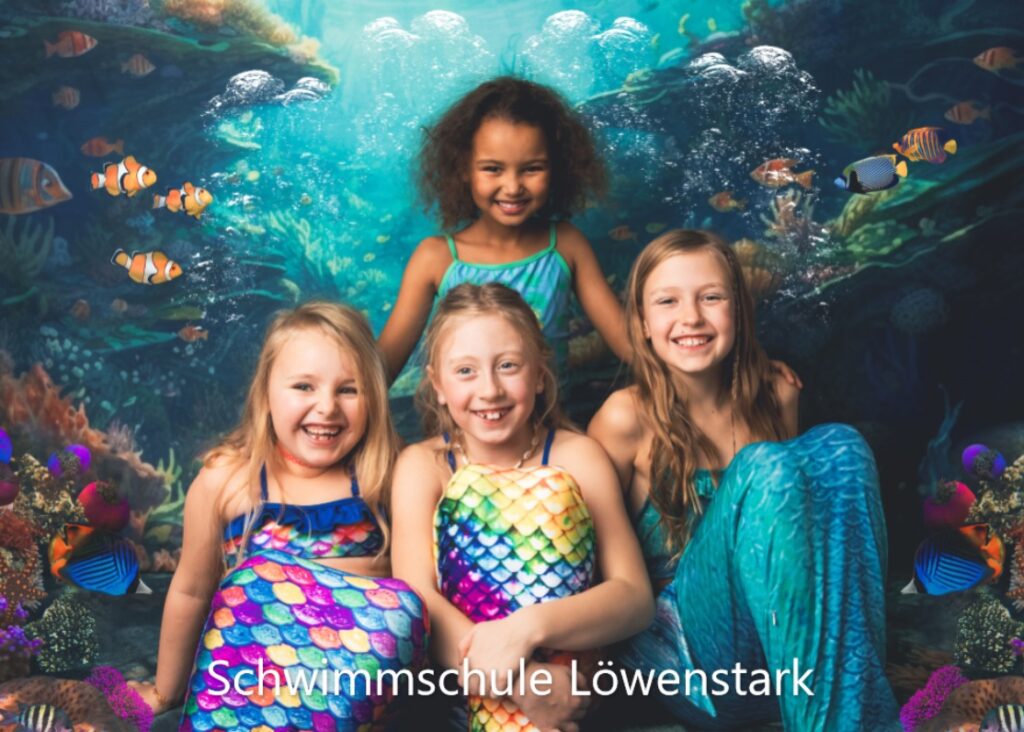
(543, 279)
(652, 536)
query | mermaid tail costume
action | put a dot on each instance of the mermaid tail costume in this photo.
(302, 618)
(506, 538)
(786, 565)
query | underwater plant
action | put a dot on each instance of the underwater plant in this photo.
(792, 222)
(23, 250)
(68, 632)
(864, 116)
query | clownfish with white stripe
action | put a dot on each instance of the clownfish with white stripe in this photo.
(147, 268)
(190, 199)
(128, 177)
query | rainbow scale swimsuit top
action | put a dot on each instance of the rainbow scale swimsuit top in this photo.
(342, 528)
(505, 538)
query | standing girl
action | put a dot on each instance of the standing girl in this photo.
(532, 548)
(291, 503)
(768, 554)
(513, 160)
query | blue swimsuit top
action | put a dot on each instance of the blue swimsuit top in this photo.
(648, 527)
(345, 527)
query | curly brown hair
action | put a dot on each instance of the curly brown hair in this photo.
(576, 169)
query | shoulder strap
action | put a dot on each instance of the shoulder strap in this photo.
(547, 446)
(451, 247)
(355, 483)
(553, 236)
(451, 457)
(263, 483)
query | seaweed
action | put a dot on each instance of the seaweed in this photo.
(24, 251)
(864, 115)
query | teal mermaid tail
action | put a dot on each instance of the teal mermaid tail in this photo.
(302, 618)
(785, 568)
(505, 539)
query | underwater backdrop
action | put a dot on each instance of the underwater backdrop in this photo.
(172, 172)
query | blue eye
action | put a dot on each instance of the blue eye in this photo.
(303, 386)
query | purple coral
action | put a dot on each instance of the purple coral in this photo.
(124, 701)
(16, 648)
(926, 702)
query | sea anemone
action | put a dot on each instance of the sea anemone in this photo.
(949, 506)
(103, 507)
(123, 700)
(927, 702)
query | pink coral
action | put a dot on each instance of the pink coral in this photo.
(927, 702)
(949, 506)
(124, 701)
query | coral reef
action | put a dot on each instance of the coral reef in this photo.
(967, 705)
(24, 252)
(81, 701)
(68, 632)
(123, 700)
(984, 634)
(856, 210)
(865, 116)
(47, 501)
(877, 239)
(119, 12)
(21, 566)
(792, 221)
(16, 648)
(927, 702)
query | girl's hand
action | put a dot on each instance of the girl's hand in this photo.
(559, 709)
(496, 648)
(149, 695)
(787, 373)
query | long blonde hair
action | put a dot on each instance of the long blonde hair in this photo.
(252, 442)
(678, 443)
(468, 300)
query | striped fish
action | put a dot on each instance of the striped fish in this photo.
(67, 97)
(926, 143)
(93, 560)
(147, 268)
(957, 559)
(1005, 718)
(27, 185)
(998, 58)
(69, 44)
(38, 718)
(872, 174)
(129, 176)
(138, 66)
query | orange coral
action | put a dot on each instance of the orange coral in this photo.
(21, 567)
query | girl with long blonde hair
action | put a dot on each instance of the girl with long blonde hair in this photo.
(768, 556)
(285, 543)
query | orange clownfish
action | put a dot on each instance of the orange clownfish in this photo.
(128, 177)
(193, 201)
(147, 268)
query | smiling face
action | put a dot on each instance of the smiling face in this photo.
(317, 407)
(688, 312)
(509, 172)
(489, 380)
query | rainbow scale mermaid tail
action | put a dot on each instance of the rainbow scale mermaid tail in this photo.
(506, 538)
(303, 620)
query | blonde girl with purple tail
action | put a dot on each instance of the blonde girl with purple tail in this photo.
(284, 565)
(510, 525)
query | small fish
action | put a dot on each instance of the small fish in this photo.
(92, 560)
(622, 233)
(70, 44)
(305, 199)
(138, 66)
(67, 97)
(80, 311)
(147, 268)
(957, 559)
(998, 58)
(1004, 718)
(872, 174)
(926, 143)
(37, 718)
(190, 199)
(682, 24)
(777, 173)
(27, 185)
(654, 228)
(252, 176)
(6, 446)
(192, 333)
(128, 177)
(966, 113)
(100, 147)
(723, 202)
(712, 25)
(119, 306)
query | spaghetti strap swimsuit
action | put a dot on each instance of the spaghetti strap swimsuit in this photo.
(506, 538)
(296, 618)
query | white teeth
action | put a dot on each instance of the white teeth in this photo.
(322, 431)
(690, 342)
(492, 416)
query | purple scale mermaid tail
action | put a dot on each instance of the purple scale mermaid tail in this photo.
(302, 618)
(505, 539)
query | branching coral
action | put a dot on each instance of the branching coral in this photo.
(16, 648)
(927, 702)
(984, 634)
(864, 116)
(23, 253)
(123, 700)
(68, 632)
(21, 566)
(792, 221)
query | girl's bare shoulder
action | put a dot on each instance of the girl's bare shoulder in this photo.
(620, 413)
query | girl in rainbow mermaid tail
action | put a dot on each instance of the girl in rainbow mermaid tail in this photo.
(290, 505)
(768, 555)
(512, 526)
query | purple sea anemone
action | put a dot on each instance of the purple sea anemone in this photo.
(81, 452)
(124, 701)
(927, 702)
(982, 461)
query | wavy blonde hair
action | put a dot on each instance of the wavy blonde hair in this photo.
(678, 443)
(253, 440)
(467, 301)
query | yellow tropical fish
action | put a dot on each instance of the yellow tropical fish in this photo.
(147, 268)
